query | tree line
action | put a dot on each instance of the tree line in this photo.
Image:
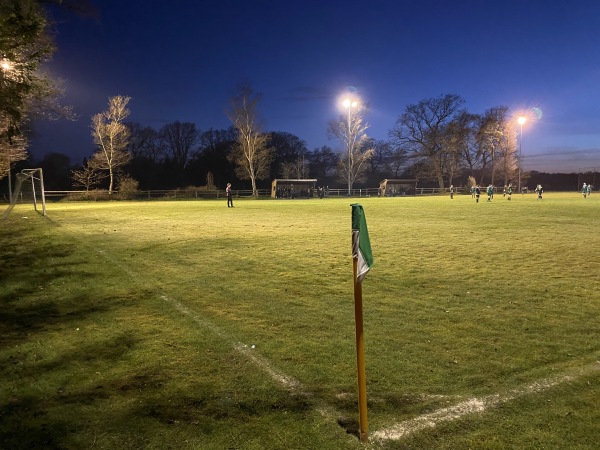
(436, 139)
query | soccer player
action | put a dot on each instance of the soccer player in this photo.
(229, 196)
(490, 192)
(477, 194)
(509, 191)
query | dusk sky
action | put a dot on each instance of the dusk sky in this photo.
(183, 60)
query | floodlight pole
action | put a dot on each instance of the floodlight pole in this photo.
(521, 120)
(363, 425)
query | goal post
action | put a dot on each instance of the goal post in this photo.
(29, 188)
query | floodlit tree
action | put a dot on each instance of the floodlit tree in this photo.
(508, 151)
(422, 131)
(457, 139)
(111, 136)
(297, 169)
(25, 92)
(351, 129)
(88, 176)
(250, 154)
(496, 143)
(12, 149)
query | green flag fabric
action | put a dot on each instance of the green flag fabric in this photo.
(361, 246)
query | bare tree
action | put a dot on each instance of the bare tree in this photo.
(351, 130)
(298, 169)
(381, 160)
(143, 142)
(88, 176)
(422, 130)
(178, 139)
(397, 160)
(469, 151)
(250, 154)
(508, 151)
(323, 162)
(111, 136)
(288, 152)
(457, 138)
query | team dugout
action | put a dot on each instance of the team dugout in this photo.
(398, 187)
(287, 188)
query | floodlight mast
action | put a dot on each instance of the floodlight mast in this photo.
(349, 104)
(521, 120)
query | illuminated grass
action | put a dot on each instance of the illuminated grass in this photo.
(130, 325)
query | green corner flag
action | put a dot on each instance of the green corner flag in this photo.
(361, 246)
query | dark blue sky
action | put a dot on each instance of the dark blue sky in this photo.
(182, 60)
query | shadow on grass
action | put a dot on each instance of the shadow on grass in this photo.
(61, 398)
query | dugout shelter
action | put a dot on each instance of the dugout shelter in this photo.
(291, 188)
(397, 187)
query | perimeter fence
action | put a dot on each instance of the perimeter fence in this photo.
(191, 193)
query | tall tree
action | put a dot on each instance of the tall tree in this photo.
(382, 154)
(178, 140)
(351, 130)
(397, 160)
(508, 150)
(457, 138)
(323, 162)
(212, 156)
(422, 131)
(288, 153)
(111, 136)
(298, 169)
(25, 43)
(251, 154)
(143, 142)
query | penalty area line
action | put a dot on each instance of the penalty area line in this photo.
(474, 406)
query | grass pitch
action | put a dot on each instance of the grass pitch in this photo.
(188, 324)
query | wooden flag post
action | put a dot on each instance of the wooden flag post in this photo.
(363, 426)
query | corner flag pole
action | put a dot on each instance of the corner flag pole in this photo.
(362, 260)
(363, 425)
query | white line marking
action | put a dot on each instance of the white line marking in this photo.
(472, 406)
(286, 381)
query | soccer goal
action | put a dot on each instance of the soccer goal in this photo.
(29, 188)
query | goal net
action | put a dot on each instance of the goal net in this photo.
(29, 188)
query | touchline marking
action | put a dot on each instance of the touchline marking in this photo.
(472, 406)
(286, 381)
